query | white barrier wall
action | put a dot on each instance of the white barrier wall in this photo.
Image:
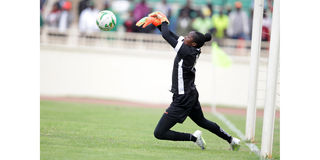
(136, 75)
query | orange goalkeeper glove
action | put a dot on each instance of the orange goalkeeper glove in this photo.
(159, 15)
(155, 18)
(145, 21)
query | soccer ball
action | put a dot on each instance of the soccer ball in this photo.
(106, 20)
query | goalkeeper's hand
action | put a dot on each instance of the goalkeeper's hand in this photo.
(155, 18)
(159, 15)
(145, 21)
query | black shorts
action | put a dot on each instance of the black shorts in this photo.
(182, 105)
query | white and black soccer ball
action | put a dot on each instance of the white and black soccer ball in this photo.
(106, 20)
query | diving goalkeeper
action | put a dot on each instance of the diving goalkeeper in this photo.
(185, 95)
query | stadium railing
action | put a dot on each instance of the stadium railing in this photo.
(137, 40)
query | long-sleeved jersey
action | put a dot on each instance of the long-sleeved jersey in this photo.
(183, 74)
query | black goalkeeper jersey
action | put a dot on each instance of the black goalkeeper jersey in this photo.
(183, 74)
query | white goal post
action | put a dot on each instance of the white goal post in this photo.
(270, 104)
(271, 81)
(254, 69)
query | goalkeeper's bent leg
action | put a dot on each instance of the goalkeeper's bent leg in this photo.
(163, 132)
(197, 116)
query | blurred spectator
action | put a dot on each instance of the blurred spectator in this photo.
(106, 6)
(61, 2)
(269, 5)
(42, 2)
(53, 17)
(187, 11)
(41, 21)
(229, 10)
(208, 11)
(87, 20)
(163, 7)
(202, 23)
(140, 10)
(184, 24)
(238, 24)
(185, 17)
(129, 23)
(220, 22)
(83, 4)
(250, 22)
(65, 16)
(121, 6)
(210, 7)
(173, 22)
(266, 27)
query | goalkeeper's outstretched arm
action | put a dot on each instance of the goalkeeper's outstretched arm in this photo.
(172, 34)
(169, 36)
(161, 21)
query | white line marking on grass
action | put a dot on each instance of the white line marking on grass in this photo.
(233, 128)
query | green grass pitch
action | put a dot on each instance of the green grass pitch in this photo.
(74, 131)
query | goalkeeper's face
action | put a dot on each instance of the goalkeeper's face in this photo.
(189, 39)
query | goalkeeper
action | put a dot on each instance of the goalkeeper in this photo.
(185, 95)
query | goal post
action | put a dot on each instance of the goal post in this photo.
(271, 90)
(254, 69)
